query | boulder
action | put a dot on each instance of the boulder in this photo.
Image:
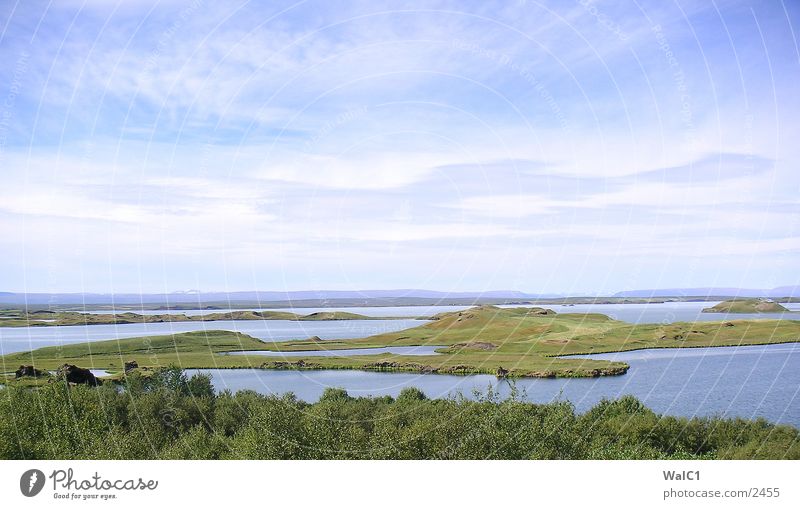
(28, 371)
(74, 374)
(131, 365)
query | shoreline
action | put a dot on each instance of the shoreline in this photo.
(505, 342)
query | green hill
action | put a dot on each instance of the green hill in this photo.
(19, 318)
(746, 306)
(520, 342)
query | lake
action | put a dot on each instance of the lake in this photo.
(400, 311)
(743, 381)
(747, 381)
(667, 312)
(22, 339)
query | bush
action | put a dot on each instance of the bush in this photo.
(171, 416)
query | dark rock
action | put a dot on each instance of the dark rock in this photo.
(131, 365)
(29, 371)
(502, 372)
(383, 365)
(301, 364)
(460, 368)
(74, 374)
(476, 345)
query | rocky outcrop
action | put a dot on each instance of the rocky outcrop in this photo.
(300, 364)
(581, 373)
(397, 366)
(541, 311)
(29, 371)
(459, 368)
(384, 365)
(475, 345)
(75, 375)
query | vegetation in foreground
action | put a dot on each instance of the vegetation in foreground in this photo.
(513, 342)
(747, 306)
(170, 416)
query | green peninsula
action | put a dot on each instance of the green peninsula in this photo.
(18, 318)
(747, 306)
(516, 342)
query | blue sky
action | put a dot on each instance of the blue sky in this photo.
(556, 147)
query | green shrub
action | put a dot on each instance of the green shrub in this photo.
(171, 416)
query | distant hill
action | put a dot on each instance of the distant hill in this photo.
(326, 298)
(746, 306)
(781, 291)
(189, 297)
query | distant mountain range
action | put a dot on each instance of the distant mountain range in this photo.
(386, 297)
(780, 291)
(254, 296)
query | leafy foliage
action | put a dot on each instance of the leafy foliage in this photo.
(171, 416)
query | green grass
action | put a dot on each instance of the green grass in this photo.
(747, 306)
(168, 415)
(19, 318)
(524, 341)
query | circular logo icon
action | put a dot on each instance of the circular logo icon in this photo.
(31, 482)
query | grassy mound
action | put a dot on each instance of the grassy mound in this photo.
(747, 306)
(519, 342)
(19, 318)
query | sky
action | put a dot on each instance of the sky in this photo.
(583, 147)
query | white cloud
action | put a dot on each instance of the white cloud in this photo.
(333, 136)
(356, 171)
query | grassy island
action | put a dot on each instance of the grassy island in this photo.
(42, 318)
(747, 306)
(516, 342)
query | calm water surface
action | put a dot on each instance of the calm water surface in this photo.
(402, 311)
(22, 339)
(748, 381)
(668, 312)
(753, 381)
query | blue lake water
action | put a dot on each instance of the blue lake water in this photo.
(667, 312)
(743, 381)
(400, 311)
(748, 381)
(16, 339)
(21, 339)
